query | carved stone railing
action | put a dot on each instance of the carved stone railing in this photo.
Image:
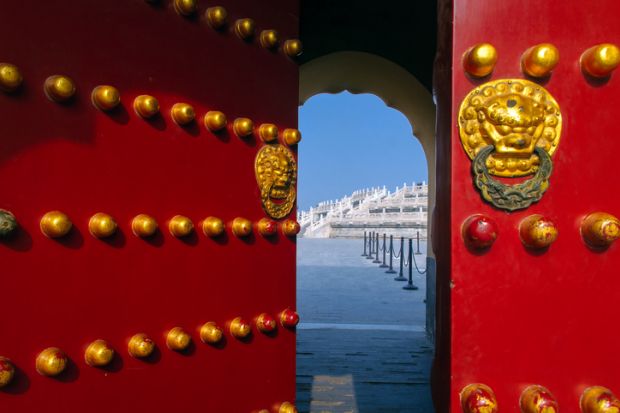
(406, 207)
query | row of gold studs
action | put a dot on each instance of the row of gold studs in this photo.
(478, 398)
(599, 230)
(56, 224)
(538, 61)
(245, 29)
(52, 361)
(60, 88)
(183, 114)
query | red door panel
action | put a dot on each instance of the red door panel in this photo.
(519, 316)
(74, 158)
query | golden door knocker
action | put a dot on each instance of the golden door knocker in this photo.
(276, 174)
(510, 128)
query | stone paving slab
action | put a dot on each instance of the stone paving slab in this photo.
(363, 371)
(361, 346)
(336, 284)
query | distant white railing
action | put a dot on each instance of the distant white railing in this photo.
(373, 206)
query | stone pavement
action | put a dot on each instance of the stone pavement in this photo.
(361, 346)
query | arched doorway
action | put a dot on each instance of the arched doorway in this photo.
(359, 72)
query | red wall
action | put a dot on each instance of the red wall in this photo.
(517, 317)
(76, 159)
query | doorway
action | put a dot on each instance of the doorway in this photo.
(362, 72)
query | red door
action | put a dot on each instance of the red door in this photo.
(531, 282)
(146, 286)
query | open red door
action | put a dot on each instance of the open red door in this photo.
(81, 275)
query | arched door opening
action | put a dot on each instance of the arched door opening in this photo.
(365, 73)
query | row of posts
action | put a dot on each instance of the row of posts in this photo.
(372, 249)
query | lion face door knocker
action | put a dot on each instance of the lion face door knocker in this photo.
(510, 128)
(276, 174)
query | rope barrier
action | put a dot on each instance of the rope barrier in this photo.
(416, 266)
(383, 249)
(401, 277)
(396, 256)
(374, 248)
(377, 249)
(410, 285)
(371, 241)
(391, 266)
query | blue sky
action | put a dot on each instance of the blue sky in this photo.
(352, 142)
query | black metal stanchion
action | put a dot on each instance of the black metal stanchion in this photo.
(391, 270)
(377, 260)
(418, 240)
(384, 265)
(364, 254)
(371, 245)
(402, 258)
(410, 285)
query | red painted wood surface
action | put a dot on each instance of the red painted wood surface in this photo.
(549, 318)
(76, 159)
